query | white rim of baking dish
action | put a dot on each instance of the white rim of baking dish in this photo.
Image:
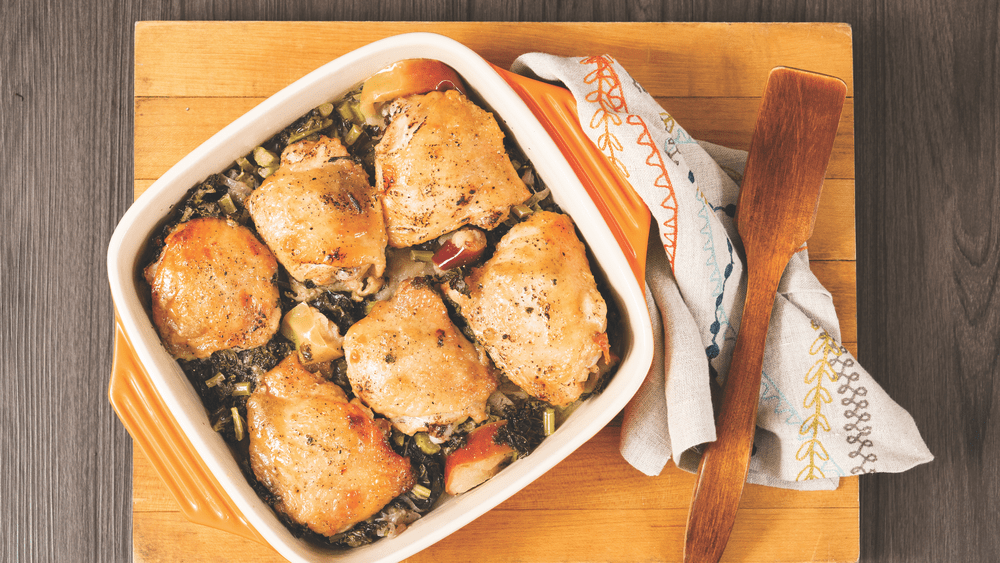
(326, 83)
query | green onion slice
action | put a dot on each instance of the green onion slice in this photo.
(237, 424)
(536, 197)
(312, 126)
(425, 444)
(549, 421)
(215, 380)
(521, 211)
(421, 492)
(241, 389)
(220, 423)
(244, 164)
(344, 109)
(352, 136)
(264, 157)
(421, 255)
(227, 205)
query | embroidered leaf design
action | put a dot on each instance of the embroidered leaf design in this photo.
(813, 424)
(810, 472)
(812, 450)
(607, 94)
(817, 394)
(820, 370)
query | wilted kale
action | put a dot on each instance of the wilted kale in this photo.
(340, 309)
(429, 471)
(234, 367)
(525, 428)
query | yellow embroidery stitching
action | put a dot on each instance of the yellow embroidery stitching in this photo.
(668, 121)
(812, 450)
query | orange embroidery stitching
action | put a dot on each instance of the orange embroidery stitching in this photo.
(610, 100)
(655, 159)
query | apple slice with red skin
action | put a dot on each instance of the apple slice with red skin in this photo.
(465, 246)
(405, 78)
(477, 461)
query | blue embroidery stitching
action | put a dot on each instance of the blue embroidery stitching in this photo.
(716, 277)
(769, 391)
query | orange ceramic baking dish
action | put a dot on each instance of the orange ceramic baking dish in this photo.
(165, 416)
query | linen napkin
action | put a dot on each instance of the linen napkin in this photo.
(821, 415)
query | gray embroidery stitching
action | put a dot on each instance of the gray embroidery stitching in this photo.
(854, 399)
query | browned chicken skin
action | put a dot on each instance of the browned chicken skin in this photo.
(408, 361)
(534, 305)
(213, 288)
(440, 165)
(321, 217)
(325, 459)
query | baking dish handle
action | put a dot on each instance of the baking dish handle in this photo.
(154, 431)
(623, 210)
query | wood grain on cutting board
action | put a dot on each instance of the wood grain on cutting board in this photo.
(192, 79)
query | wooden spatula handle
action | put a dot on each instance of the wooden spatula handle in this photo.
(723, 468)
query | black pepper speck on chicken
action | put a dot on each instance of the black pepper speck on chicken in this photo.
(409, 362)
(441, 164)
(326, 460)
(535, 307)
(321, 216)
(213, 289)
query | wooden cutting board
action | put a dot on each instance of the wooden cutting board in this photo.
(193, 78)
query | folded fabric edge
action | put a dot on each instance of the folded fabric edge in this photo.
(644, 441)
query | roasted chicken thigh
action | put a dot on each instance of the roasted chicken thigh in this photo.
(408, 361)
(441, 164)
(534, 305)
(325, 459)
(321, 217)
(213, 288)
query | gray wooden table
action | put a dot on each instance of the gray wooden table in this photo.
(928, 230)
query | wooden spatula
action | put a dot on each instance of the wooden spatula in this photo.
(775, 214)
